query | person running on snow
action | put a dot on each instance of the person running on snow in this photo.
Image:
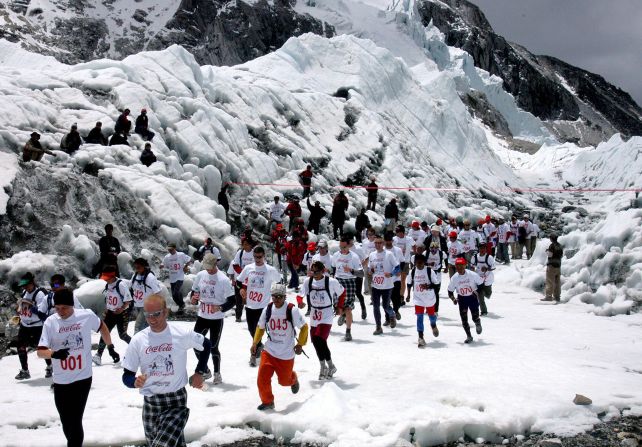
(417, 234)
(305, 178)
(207, 247)
(489, 230)
(382, 265)
(277, 211)
(368, 247)
(280, 321)
(395, 295)
(296, 247)
(407, 246)
(256, 282)
(325, 294)
(483, 263)
(160, 352)
(279, 239)
(242, 258)
(345, 264)
(178, 264)
(66, 342)
(57, 282)
(117, 305)
(424, 297)
(357, 249)
(323, 256)
(142, 284)
(316, 214)
(455, 251)
(214, 295)
(503, 233)
(469, 239)
(466, 283)
(433, 261)
(308, 257)
(391, 215)
(32, 309)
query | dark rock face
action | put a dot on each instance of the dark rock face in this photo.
(535, 80)
(227, 34)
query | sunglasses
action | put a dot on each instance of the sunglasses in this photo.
(259, 257)
(156, 314)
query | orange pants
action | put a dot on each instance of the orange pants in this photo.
(268, 366)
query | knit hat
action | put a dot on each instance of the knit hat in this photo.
(64, 297)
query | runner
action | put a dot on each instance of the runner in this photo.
(66, 338)
(417, 233)
(323, 256)
(469, 239)
(214, 295)
(503, 234)
(382, 264)
(280, 321)
(357, 248)
(207, 247)
(242, 258)
(346, 263)
(483, 264)
(177, 264)
(489, 230)
(407, 246)
(325, 293)
(434, 258)
(32, 309)
(424, 298)
(395, 295)
(309, 256)
(256, 281)
(143, 284)
(512, 236)
(466, 283)
(160, 351)
(117, 305)
(455, 250)
(368, 247)
(279, 238)
(57, 282)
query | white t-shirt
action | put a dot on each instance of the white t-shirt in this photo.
(418, 236)
(534, 231)
(421, 295)
(322, 311)
(513, 226)
(73, 333)
(454, 249)
(434, 262)
(481, 261)
(308, 260)
(368, 247)
(502, 233)
(162, 356)
(468, 239)
(350, 261)
(380, 264)
(175, 264)
(465, 284)
(405, 244)
(143, 290)
(242, 259)
(326, 259)
(38, 298)
(211, 249)
(276, 211)
(258, 281)
(490, 231)
(357, 249)
(398, 254)
(281, 342)
(113, 299)
(213, 291)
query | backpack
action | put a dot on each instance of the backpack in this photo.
(117, 288)
(327, 289)
(485, 261)
(412, 276)
(288, 316)
(142, 281)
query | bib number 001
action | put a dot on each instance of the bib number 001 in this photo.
(71, 363)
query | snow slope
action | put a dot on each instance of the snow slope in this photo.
(520, 375)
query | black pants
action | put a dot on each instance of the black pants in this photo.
(358, 283)
(436, 288)
(215, 327)
(28, 337)
(321, 348)
(177, 296)
(396, 296)
(314, 226)
(465, 303)
(70, 402)
(337, 227)
(238, 308)
(372, 202)
(252, 316)
(120, 321)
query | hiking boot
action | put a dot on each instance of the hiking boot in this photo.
(264, 407)
(378, 331)
(364, 314)
(323, 371)
(478, 327)
(393, 323)
(548, 298)
(23, 374)
(341, 320)
(207, 375)
(483, 314)
(469, 339)
(387, 322)
(435, 331)
(252, 360)
(97, 360)
(330, 372)
(48, 372)
(421, 342)
(238, 320)
(348, 336)
(398, 315)
(295, 387)
(217, 379)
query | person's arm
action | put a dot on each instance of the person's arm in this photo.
(229, 303)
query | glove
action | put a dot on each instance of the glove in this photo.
(113, 354)
(60, 354)
(298, 349)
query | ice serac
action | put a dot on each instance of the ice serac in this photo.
(577, 106)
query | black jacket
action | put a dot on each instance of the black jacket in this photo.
(142, 123)
(556, 259)
(118, 139)
(373, 188)
(96, 137)
(108, 244)
(147, 157)
(361, 222)
(391, 211)
(316, 213)
(222, 198)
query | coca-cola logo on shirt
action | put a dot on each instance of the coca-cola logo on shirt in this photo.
(73, 327)
(163, 347)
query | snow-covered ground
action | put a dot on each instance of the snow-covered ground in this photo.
(520, 375)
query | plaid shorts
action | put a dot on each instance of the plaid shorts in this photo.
(351, 289)
(164, 418)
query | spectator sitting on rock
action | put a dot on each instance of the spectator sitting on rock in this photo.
(147, 157)
(71, 142)
(142, 126)
(118, 138)
(33, 150)
(123, 125)
(96, 135)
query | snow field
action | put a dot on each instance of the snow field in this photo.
(520, 375)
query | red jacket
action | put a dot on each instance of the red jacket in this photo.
(293, 210)
(296, 249)
(280, 239)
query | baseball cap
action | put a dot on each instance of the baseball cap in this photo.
(452, 234)
(460, 261)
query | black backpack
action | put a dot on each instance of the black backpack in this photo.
(117, 288)
(288, 316)
(485, 261)
(327, 289)
(141, 281)
(412, 276)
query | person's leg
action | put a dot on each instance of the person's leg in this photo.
(122, 321)
(264, 378)
(216, 330)
(70, 401)
(23, 343)
(284, 370)
(376, 303)
(201, 326)
(404, 275)
(463, 314)
(238, 306)
(436, 289)
(358, 284)
(482, 300)
(171, 421)
(432, 316)
(557, 290)
(110, 323)
(177, 296)
(419, 312)
(140, 322)
(550, 283)
(385, 299)
(395, 296)
(294, 280)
